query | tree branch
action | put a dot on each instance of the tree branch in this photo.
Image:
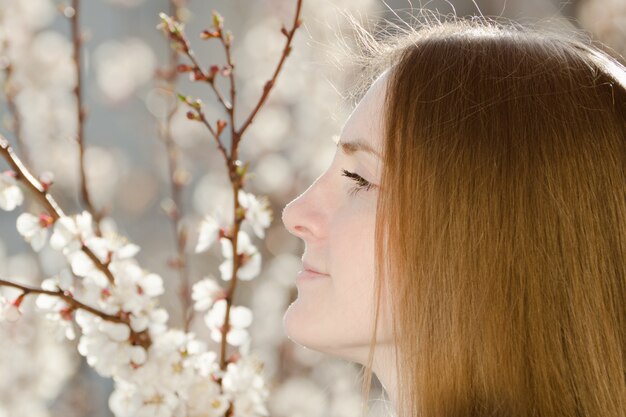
(80, 111)
(268, 86)
(33, 184)
(10, 93)
(174, 30)
(140, 338)
(176, 189)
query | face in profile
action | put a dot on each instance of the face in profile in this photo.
(335, 217)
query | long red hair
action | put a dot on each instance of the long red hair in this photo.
(501, 224)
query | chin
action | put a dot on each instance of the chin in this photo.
(298, 327)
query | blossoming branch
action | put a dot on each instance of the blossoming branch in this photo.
(158, 370)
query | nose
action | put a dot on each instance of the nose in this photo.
(304, 216)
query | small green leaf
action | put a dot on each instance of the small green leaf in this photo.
(218, 20)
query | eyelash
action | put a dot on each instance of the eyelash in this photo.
(361, 183)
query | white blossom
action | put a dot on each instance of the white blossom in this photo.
(205, 292)
(175, 376)
(81, 264)
(156, 403)
(8, 310)
(239, 319)
(70, 232)
(106, 346)
(251, 265)
(244, 381)
(130, 400)
(207, 234)
(34, 229)
(205, 400)
(134, 289)
(34, 365)
(57, 309)
(258, 212)
(125, 400)
(205, 364)
(155, 320)
(10, 194)
(170, 362)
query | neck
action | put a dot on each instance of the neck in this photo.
(384, 368)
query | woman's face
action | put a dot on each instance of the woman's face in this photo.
(335, 217)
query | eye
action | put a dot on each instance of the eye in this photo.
(361, 183)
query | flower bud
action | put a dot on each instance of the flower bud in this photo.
(12, 313)
(209, 34)
(181, 177)
(213, 70)
(192, 116)
(105, 293)
(234, 357)
(242, 169)
(169, 207)
(46, 179)
(184, 68)
(240, 213)
(218, 20)
(221, 124)
(196, 104)
(66, 313)
(226, 70)
(175, 262)
(18, 301)
(45, 220)
(196, 75)
(283, 30)
(228, 39)
(69, 12)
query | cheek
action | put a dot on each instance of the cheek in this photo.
(354, 261)
(337, 312)
(351, 251)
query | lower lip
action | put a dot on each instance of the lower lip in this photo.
(307, 275)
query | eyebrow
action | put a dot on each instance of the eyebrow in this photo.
(349, 147)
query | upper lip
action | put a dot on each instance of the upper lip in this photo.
(308, 267)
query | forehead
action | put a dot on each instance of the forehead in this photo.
(366, 119)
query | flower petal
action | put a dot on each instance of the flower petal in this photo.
(240, 317)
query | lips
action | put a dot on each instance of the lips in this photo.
(311, 268)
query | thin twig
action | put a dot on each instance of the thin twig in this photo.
(235, 170)
(77, 42)
(233, 91)
(65, 296)
(220, 145)
(175, 33)
(45, 198)
(236, 177)
(176, 189)
(210, 80)
(138, 338)
(268, 86)
(10, 93)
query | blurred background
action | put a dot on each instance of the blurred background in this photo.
(288, 145)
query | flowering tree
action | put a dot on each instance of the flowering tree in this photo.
(109, 298)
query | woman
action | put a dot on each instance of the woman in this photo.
(473, 220)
